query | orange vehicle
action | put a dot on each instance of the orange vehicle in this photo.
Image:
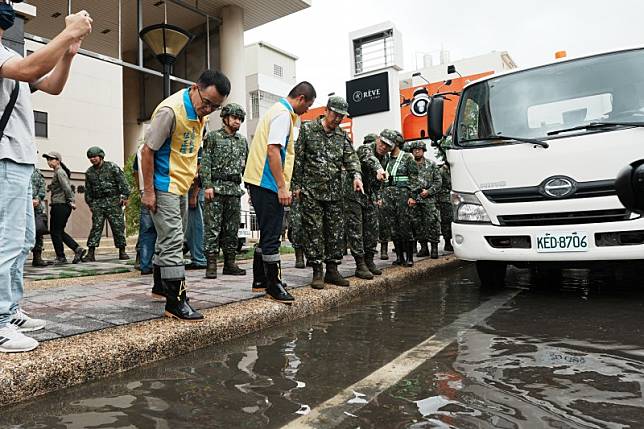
(415, 101)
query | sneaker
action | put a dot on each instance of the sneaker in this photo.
(24, 323)
(12, 341)
(79, 254)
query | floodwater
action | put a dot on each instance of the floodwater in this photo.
(568, 356)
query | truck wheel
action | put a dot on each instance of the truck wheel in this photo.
(491, 274)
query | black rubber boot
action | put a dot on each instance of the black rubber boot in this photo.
(158, 288)
(409, 252)
(318, 277)
(400, 254)
(60, 260)
(37, 261)
(424, 250)
(448, 245)
(259, 276)
(368, 260)
(211, 267)
(274, 287)
(362, 271)
(299, 258)
(434, 252)
(333, 276)
(123, 256)
(90, 255)
(384, 252)
(177, 305)
(230, 267)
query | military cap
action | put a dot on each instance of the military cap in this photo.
(53, 155)
(95, 151)
(388, 137)
(371, 137)
(406, 147)
(338, 105)
(400, 140)
(418, 144)
(233, 109)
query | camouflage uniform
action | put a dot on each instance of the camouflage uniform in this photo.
(444, 204)
(361, 210)
(222, 166)
(105, 188)
(319, 160)
(402, 185)
(295, 231)
(38, 192)
(425, 215)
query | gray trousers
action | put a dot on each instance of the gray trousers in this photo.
(169, 222)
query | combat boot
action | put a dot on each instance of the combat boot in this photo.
(368, 260)
(274, 287)
(90, 255)
(37, 261)
(230, 267)
(158, 287)
(424, 251)
(299, 258)
(259, 276)
(177, 305)
(384, 252)
(409, 252)
(434, 252)
(318, 277)
(122, 255)
(400, 254)
(448, 245)
(211, 267)
(333, 276)
(362, 272)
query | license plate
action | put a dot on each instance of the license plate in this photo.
(562, 242)
(243, 233)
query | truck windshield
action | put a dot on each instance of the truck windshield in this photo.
(555, 101)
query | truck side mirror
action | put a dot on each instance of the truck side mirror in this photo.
(630, 187)
(435, 118)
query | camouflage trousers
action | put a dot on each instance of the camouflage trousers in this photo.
(323, 225)
(361, 227)
(447, 216)
(398, 213)
(295, 231)
(384, 229)
(221, 224)
(107, 209)
(426, 221)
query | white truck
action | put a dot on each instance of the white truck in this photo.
(534, 157)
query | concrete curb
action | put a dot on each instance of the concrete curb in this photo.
(66, 362)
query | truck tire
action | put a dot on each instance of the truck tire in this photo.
(491, 274)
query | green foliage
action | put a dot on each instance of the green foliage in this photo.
(133, 209)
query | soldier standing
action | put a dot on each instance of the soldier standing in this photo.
(222, 166)
(401, 193)
(426, 218)
(106, 193)
(296, 233)
(38, 193)
(361, 209)
(322, 150)
(445, 206)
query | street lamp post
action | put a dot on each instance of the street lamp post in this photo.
(166, 42)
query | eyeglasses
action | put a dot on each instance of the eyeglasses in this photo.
(207, 103)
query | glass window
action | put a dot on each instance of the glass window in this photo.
(40, 119)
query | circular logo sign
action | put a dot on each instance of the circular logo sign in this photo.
(558, 187)
(357, 96)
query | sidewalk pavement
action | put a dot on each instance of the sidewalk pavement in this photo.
(93, 305)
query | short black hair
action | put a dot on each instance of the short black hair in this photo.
(216, 78)
(303, 88)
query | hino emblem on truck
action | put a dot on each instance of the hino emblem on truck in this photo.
(558, 187)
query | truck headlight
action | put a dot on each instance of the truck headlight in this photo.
(468, 208)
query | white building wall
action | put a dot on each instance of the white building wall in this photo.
(89, 112)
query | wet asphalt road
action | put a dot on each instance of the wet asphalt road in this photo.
(555, 352)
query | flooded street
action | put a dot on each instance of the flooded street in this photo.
(569, 356)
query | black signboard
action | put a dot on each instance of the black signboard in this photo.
(368, 95)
